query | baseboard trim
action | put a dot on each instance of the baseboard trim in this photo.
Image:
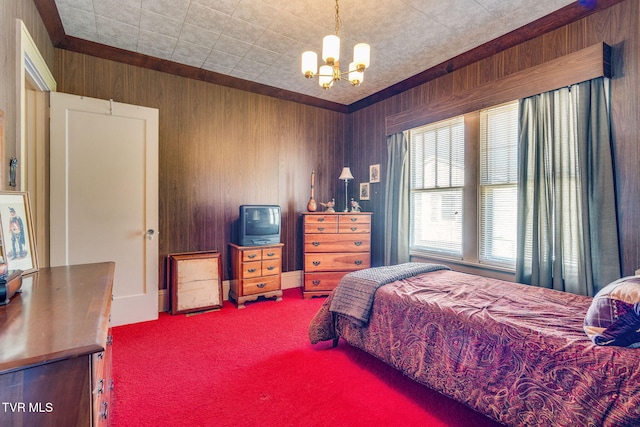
(289, 280)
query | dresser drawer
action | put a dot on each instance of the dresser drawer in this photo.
(351, 228)
(321, 228)
(260, 285)
(322, 281)
(354, 219)
(271, 253)
(270, 267)
(251, 255)
(251, 269)
(337, 243)
(336, 261)
(321, 219)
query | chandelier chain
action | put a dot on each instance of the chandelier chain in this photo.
(337, 18)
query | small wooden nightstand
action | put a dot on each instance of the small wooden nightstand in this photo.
(256, 273)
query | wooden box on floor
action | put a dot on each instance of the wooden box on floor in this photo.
(195, 280)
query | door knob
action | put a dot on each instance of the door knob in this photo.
(150, 233)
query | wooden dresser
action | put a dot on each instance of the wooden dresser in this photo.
(334, 244)
(55, 352)
(257, 272)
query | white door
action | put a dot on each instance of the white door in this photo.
(104, 196)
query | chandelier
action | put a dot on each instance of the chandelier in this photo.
(330, 72)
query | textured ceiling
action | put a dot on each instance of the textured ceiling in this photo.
(262, 41)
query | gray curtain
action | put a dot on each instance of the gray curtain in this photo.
(567, 227)
(396, 211)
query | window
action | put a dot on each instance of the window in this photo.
(473, 217)
(437, 180)
(498, 184)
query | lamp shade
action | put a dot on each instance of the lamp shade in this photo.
(331, 49)
(361, 54)
(309, 63)
(325, 77)
(346, 173)
(355, 76)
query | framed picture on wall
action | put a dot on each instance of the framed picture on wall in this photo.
(374, 173)
(364, 191)
(16, 226)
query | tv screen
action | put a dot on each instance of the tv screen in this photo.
(259, 225)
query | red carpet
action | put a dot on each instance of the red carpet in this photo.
(256, 367)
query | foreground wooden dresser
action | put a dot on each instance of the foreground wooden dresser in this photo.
(334, 245)
(55, 353)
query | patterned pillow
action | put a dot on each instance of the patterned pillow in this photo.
(614, 315)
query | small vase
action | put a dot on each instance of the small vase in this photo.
(312, 206)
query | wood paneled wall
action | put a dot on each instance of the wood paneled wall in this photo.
(617, 26)
(220, 148)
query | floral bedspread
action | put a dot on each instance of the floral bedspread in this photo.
(513, 352)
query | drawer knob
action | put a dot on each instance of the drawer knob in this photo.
(252, 270)
(100, 386)
(320, 228)
(271, 267)
(353, 219)
(320, 219)
(354, 228)
(357, 243)
(316, 263)
(251, 256)
(271, 254)
(358, 262)
(316, 282)
(316, 244)
(261, 285)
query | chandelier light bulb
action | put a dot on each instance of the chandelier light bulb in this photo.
(361, 54)
(325, 77)
(331, 49)
(355, 76)
(309, 64)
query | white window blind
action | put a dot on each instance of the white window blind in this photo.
(437, 180)
(498, 184)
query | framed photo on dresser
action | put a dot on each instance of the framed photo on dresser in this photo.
(16, 232)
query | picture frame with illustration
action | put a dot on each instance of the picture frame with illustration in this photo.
(364, 191)
(374, 173)
(16, 232)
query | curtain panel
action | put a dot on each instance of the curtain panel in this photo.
(567, 224)
(396, 211)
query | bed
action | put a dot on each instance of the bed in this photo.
(515, 353)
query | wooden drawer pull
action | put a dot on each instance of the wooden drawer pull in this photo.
(357, 243)
(251, 256)
(261, 285)
(252, 270)
(316, 263)
(316, 244)
(358, 262)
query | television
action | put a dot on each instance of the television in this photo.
(259, 225)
